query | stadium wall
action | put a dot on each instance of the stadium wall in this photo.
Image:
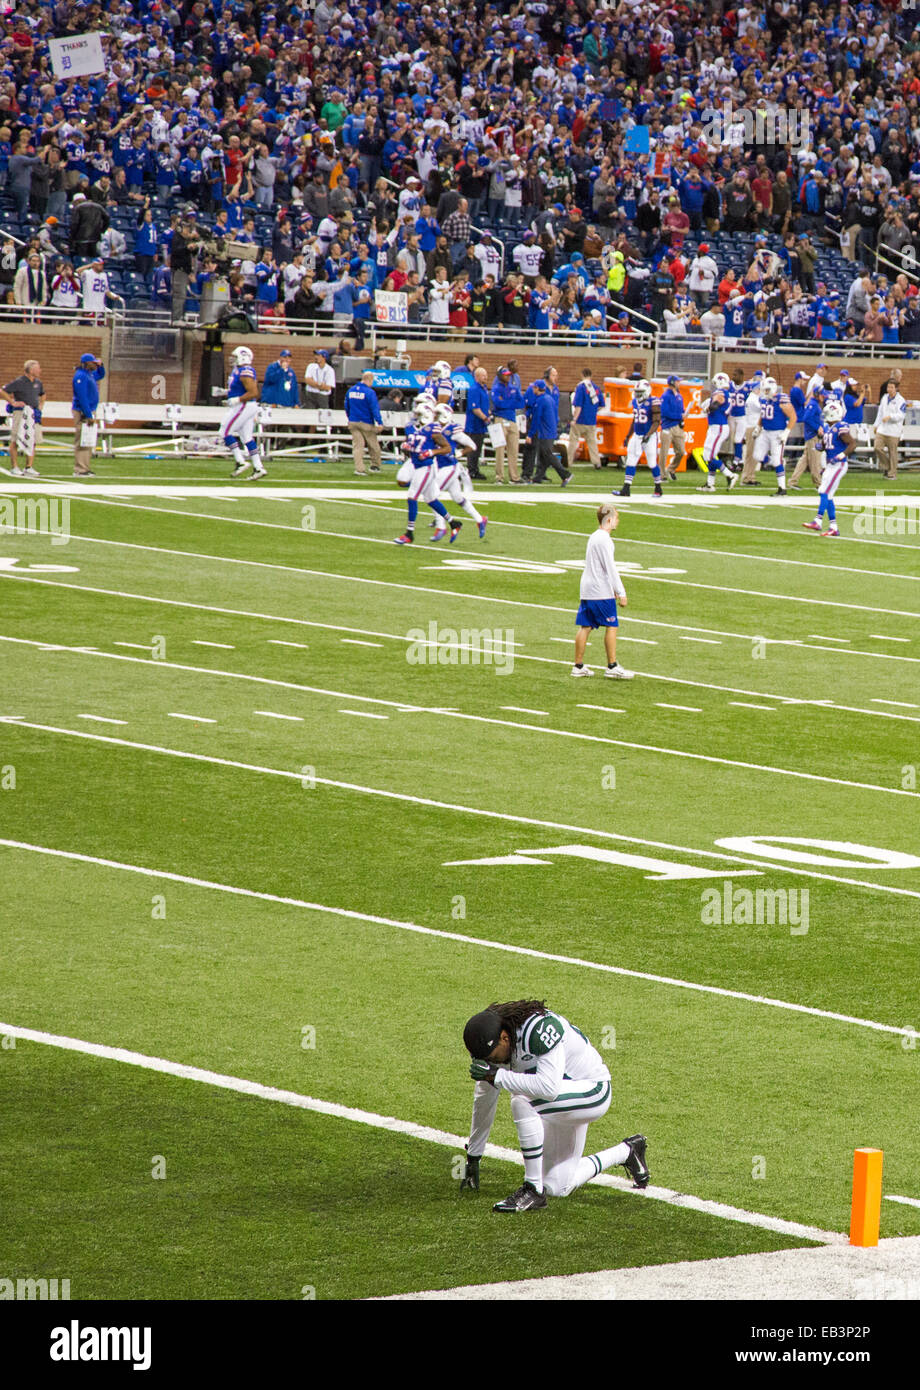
(59, 349)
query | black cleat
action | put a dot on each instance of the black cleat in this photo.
(635, 1165)
(623, 491)
(527, 1198)
(658, 491)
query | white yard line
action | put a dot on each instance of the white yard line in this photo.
(101, 719)
(505, 816)
(405, 1127)
(392, 584)
(883, 637)
(708, 641)
(820, 637)
(607, 709)
(270, 714)
(464, 940)
(901, 704)
(522, 709)
(135, 646)
(364, 714)
(193, 718)
(691, 709)
(357, 642)
(790, 700)
(745, 704)
(225, 646)
(511, 724)
(279, 642)
(906, 1201)
(452, 593)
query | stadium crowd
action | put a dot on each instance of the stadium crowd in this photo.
(523, 163)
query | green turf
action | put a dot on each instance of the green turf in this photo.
(262, 1199)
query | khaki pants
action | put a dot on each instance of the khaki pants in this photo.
(512, 440)
(675, 438)
(589, 434)
(362, 435)
(82, 458)
(812, 459)
(749, 471)
(886, 451)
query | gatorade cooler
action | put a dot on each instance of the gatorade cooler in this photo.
(615, 418)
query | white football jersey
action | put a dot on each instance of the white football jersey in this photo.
(95, 288)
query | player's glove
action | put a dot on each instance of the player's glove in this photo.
(470, 1178)
(38, 416)
(483, 1071)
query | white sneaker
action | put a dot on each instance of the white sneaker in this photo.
(619, 673)
(257, 473)
(240, 468)
(582, 671)
(31, 473)
(16, 473)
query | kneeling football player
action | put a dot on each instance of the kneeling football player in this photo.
(558, 1084)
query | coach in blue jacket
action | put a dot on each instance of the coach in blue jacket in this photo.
(478, 410)
(813, 432)
(673, 434)
(363, 411)
(543, 428)
(83, 409)
(279, 386)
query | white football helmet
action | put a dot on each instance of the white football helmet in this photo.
(643, 390)
(241, 357)
(768, 387)
(440, 369)
(443, 415)
(721, 381)
(423, 410)
(833, 412)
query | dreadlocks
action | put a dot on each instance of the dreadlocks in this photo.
(516, 1013)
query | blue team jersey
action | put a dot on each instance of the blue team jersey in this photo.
(772, 416)
(737, 398)
(642, 415)
(734, 319)
(718, 408)
(448, 460)
(419, 440)
(834, 448)
(237, 384)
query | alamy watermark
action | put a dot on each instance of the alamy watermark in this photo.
(41, 516)
(477, 646)
(900, 519)
(727, 905)
(740, 126)
(29, 1290)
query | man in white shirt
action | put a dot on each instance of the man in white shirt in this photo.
(527, 257)
(318, 382)
(704, 272)
(488, 256)
(889, 425)
(95, 287)
(601, 589)
(712, 323)
(816, 380)
(439, 297)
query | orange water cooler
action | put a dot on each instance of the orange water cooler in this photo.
(615, 418)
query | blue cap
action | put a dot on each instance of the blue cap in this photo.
(673, 380)
(87, 358)
(285, 352)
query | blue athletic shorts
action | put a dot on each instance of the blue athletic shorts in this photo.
(597, 613)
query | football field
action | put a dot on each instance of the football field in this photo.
(282, 804)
